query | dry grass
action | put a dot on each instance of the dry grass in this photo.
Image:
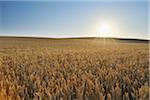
(73, 69)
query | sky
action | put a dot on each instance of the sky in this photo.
(128, 19)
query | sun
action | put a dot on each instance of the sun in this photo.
(105, 30)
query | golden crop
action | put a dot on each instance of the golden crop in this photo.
(73, 69)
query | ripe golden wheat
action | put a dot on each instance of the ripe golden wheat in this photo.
(73, 70)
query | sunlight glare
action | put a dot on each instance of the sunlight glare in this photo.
(105, 30)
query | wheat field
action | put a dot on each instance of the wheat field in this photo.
(73, 69)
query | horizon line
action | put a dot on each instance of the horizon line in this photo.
(72, 37)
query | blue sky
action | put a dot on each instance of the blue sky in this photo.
(69, 19)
